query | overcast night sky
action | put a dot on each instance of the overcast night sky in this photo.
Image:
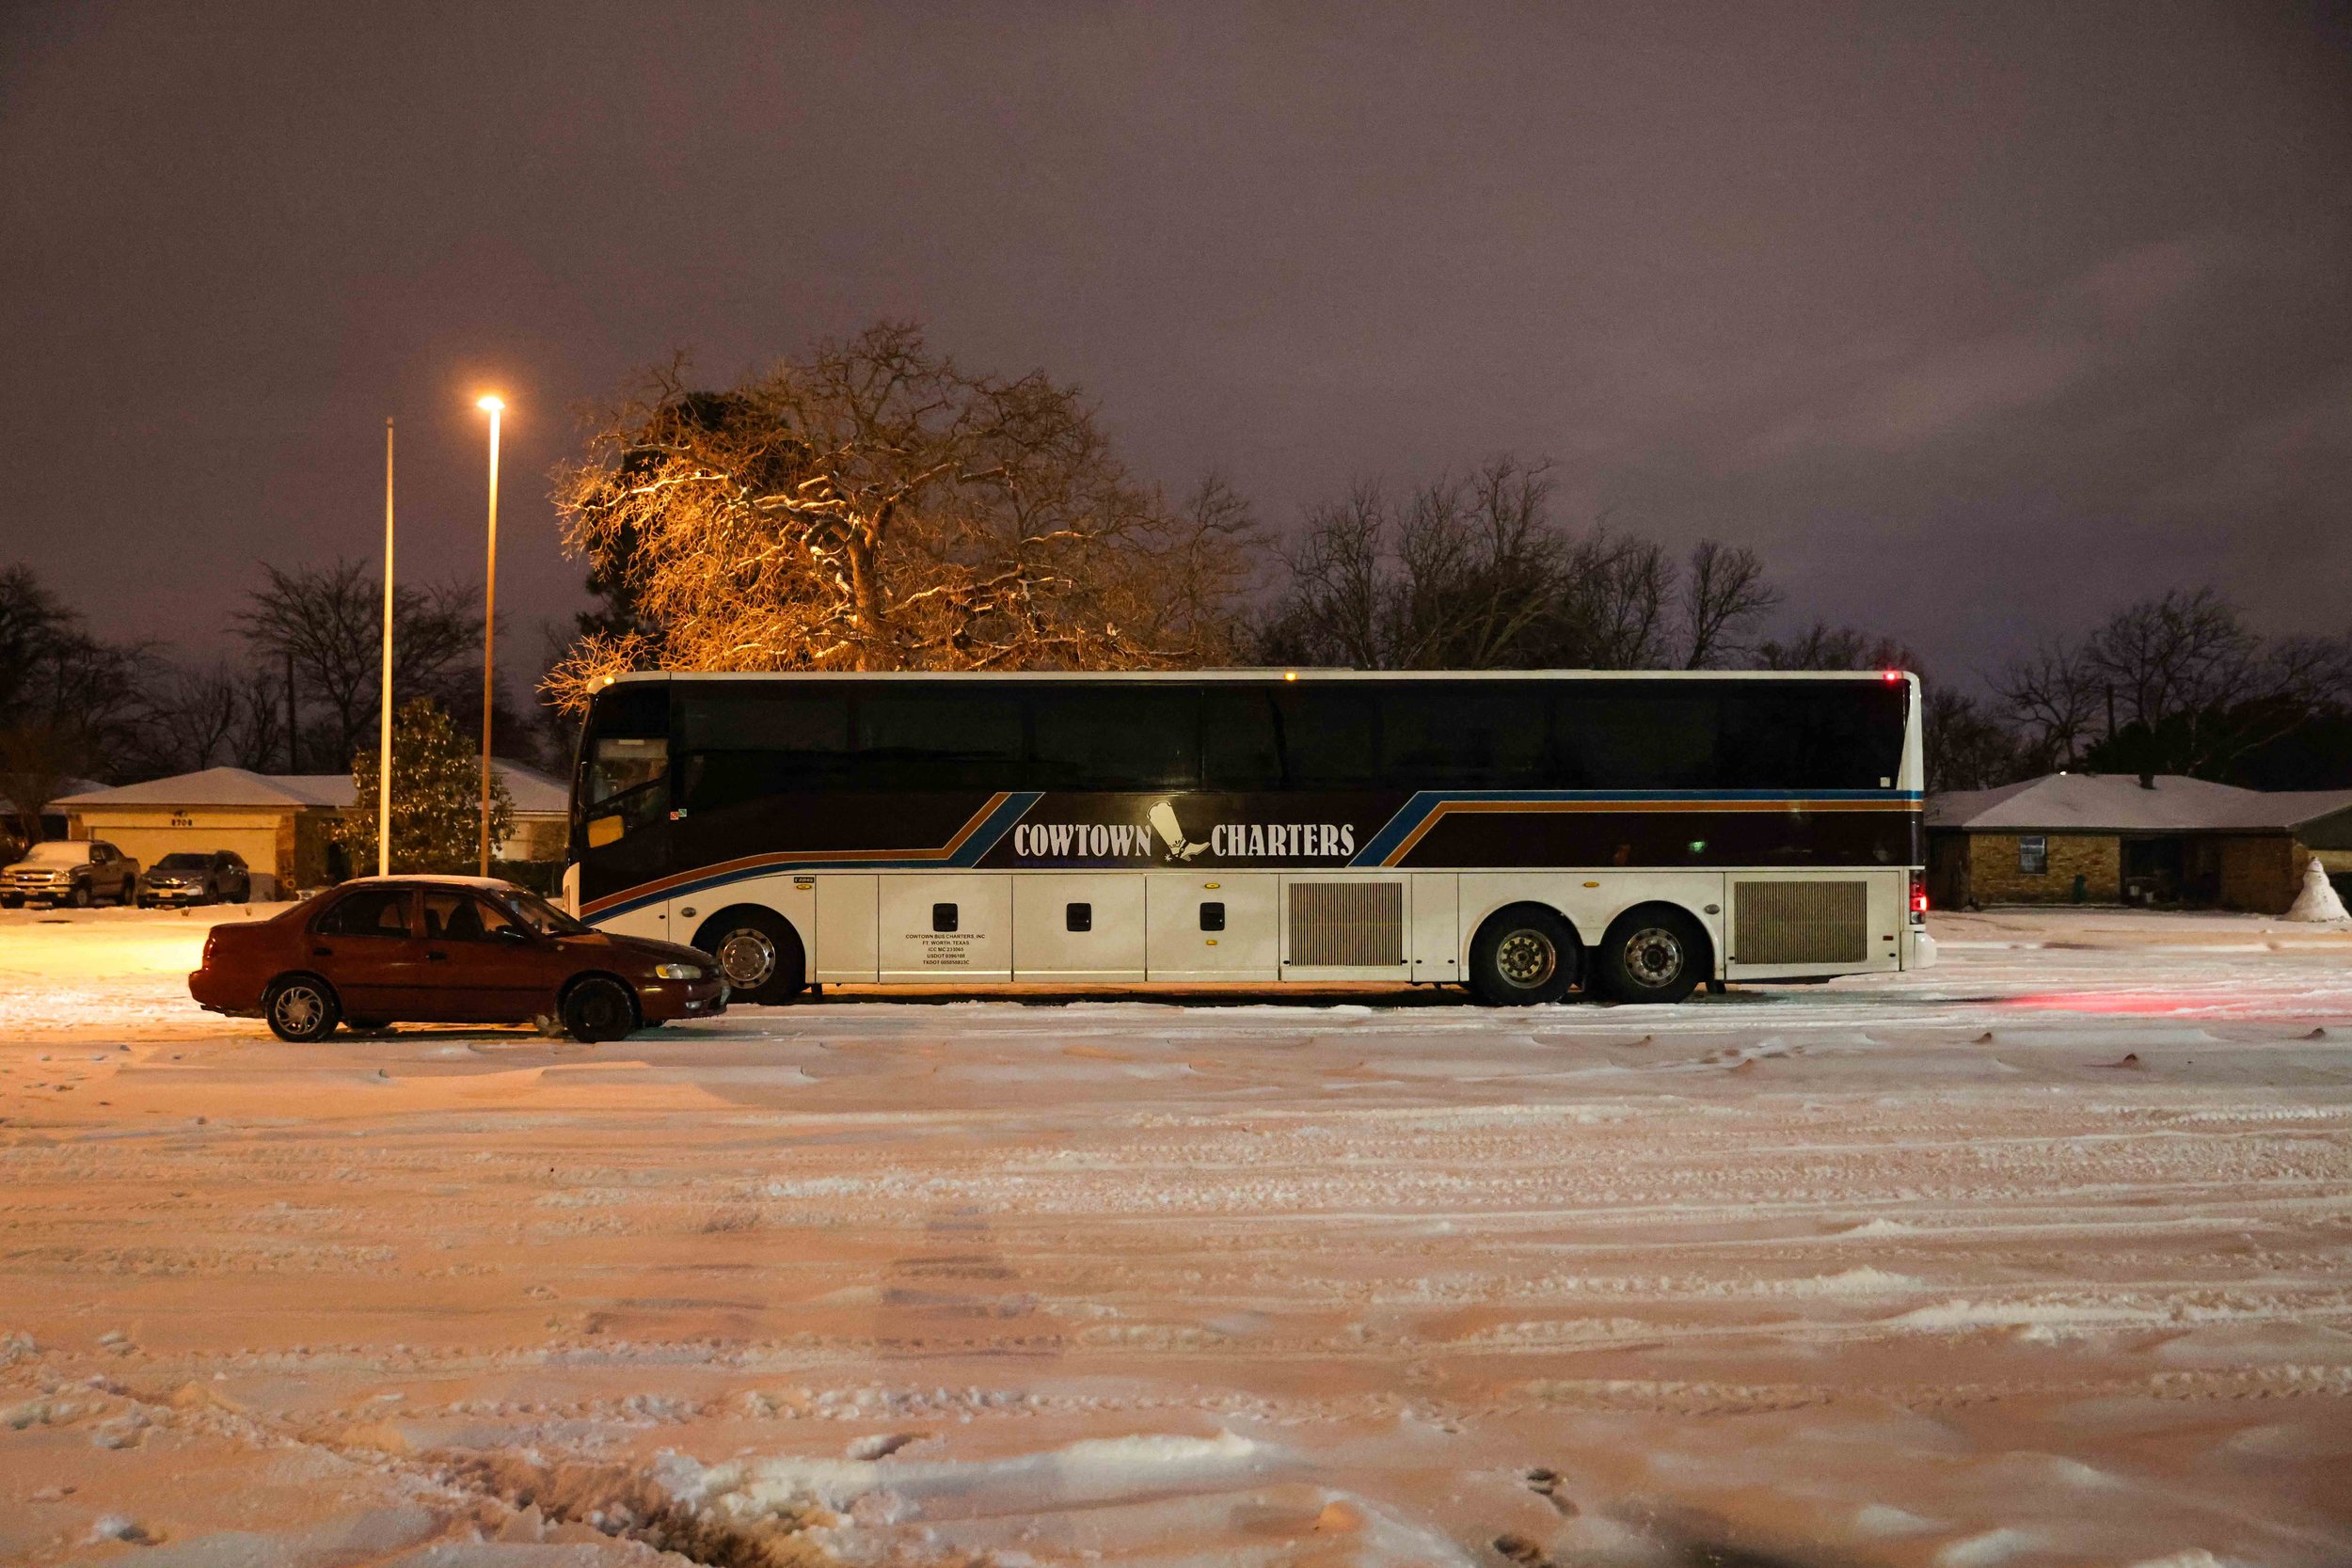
(1973, 324)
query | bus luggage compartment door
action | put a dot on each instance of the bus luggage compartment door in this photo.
(945, 930)
(1207, 926)
(1078, 925)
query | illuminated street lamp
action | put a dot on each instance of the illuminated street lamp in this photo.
(383, 756)
(492, 406)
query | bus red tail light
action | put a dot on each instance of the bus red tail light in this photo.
(1919, 895)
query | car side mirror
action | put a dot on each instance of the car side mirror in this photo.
(513, 933)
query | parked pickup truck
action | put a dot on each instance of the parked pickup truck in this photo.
(80, 872)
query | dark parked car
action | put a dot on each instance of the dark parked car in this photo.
(448, 950)
(80, 872)
(196, 876)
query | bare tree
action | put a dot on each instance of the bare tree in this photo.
(71, 704)
(329, 621)
(1724, 592)
(1611, 607)
(1822, 646)
(875, 506)
(2053, 696)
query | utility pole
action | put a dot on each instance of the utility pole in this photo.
(489, 623)
(384, 748)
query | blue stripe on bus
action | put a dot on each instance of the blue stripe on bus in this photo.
(979, 842)
(1411, 814)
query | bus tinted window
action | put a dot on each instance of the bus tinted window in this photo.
(1644, 736)
(1240, 747)
(932, 738)
(1329, 736)
(1830, 735)
(740, 741)
(1139, 736)
(1488, 734)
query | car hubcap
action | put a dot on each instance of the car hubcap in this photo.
(748, 958)
(298, 1009)
(1654, 957)
(1527, 959)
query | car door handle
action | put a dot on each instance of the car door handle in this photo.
(438, 958)
(322, 952)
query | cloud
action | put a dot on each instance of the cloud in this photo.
(1946, 391)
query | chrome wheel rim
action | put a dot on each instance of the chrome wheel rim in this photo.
(1654, 957)
(298, 1009)
(747, 957)
(1526, 958)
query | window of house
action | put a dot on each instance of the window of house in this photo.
(2033, 855)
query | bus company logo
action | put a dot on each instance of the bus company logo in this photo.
(1161, 832)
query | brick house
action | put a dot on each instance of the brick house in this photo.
(2092, 838)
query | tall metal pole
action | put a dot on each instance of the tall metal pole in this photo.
(489, 626)
(384, 748)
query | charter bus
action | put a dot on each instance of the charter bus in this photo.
(1527, 836)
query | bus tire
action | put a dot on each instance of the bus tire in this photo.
(757, 952)
(1524, 953)
(1654, 953)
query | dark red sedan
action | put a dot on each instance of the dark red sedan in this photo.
(447, 950)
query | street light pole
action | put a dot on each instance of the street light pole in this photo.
(490, 622)
(384, 748)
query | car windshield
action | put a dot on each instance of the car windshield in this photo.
(59, 853)
(183, 863)
(544, 917)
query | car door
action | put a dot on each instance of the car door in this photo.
(482, 964)
(113, 873)
(229, 883)
(364, 945)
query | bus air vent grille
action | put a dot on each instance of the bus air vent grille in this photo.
(1801, 923)
(1348, 925)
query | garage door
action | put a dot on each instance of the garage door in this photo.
(259, 845)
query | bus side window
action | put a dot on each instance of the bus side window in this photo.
(1329, 730)
(1240, 747)
(1653, 739)
(1145, 736)
(916, 738)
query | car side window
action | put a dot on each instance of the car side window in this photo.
(461, 917)
(373, 912)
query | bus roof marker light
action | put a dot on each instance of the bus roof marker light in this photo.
(1890, 676)
(1290, 675)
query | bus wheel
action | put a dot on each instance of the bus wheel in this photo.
(1654, 954)
(758, 953)
(1523, 954)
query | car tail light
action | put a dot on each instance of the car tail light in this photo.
(1918, 895)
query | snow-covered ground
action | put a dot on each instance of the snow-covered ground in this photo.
(2042, 1257)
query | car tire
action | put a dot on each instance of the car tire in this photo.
(1524, 953)
(301, 1009)
(80, 897)
(1654, 952)
(600, 1008)
(758, 953)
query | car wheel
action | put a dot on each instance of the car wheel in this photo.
(1523, 954)
(1654, 954)
(80, 897)
(301, 1009)
(599, 1009)
(758, 953)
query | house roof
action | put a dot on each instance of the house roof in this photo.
(535, 793)
(2117, 803)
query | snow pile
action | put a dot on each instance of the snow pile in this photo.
(1092, 1471)
(2318, 900)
